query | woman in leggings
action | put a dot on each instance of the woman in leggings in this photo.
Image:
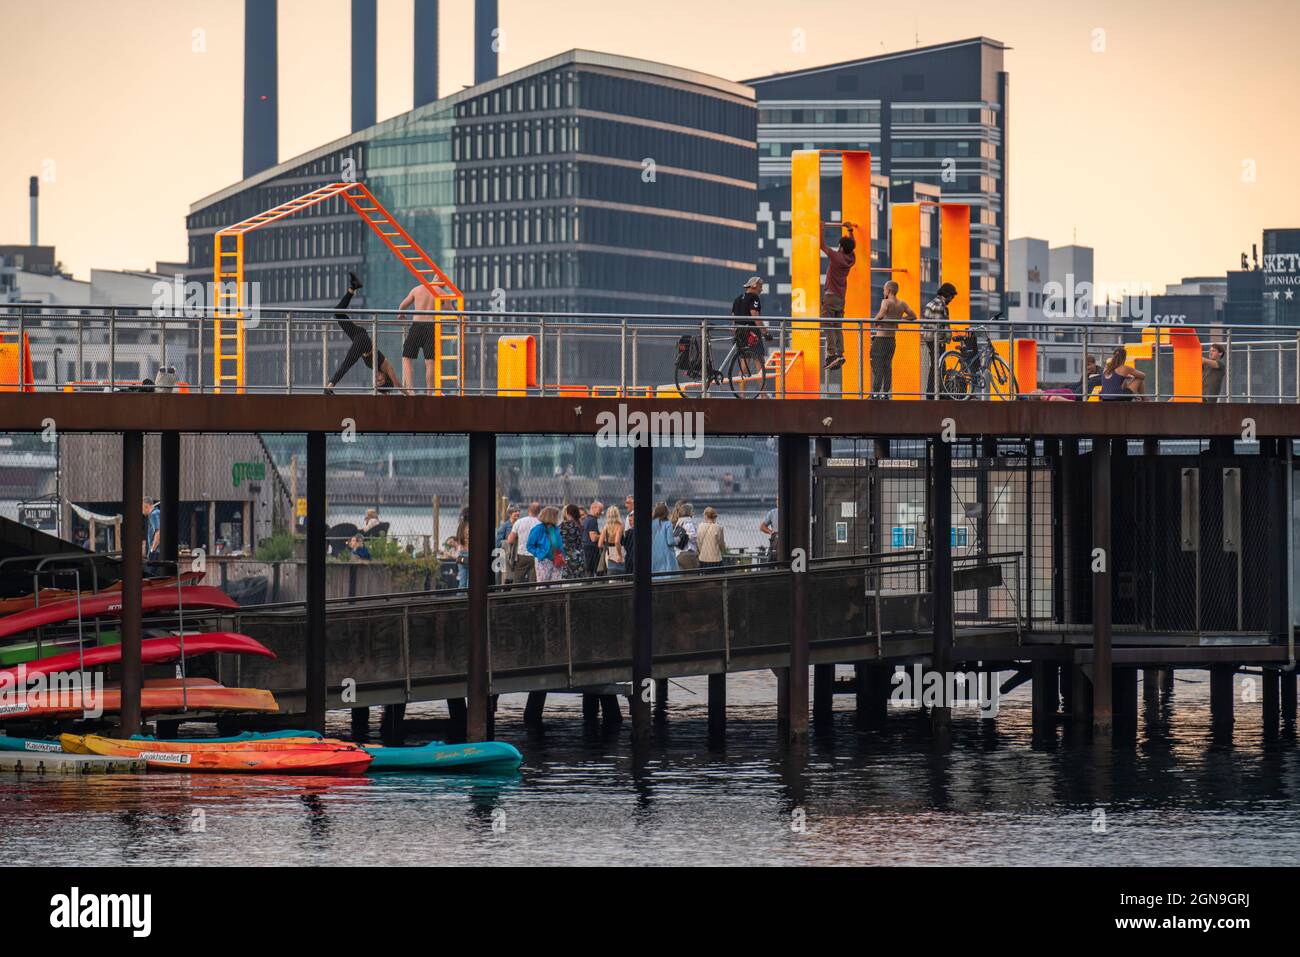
(361, 348)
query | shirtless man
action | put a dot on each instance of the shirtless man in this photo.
(892, 311)
(420, 337)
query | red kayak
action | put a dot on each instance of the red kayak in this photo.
(110, 603)
(160, 696)
(9, 606)
(152, 651)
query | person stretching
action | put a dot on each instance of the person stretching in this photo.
(362, 348)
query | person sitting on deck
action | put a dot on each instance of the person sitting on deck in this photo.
(1119, 380)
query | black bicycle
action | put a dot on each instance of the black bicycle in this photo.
(972, 367)
(744, 369)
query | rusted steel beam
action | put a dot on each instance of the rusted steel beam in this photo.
(482, 524)
(98, 412)
(132, 579)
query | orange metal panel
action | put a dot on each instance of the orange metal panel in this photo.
(516, 365)
(804, 379)
(954, 258)
(1188, 371)
(855, 190)
(905, 249)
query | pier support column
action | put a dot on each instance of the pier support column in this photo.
(793, 518)
(132, 579)
(823, 695)
(941, 548)
(534, 708)
(1151, 682)
(642, 612)
(871, 693)
(1081, 697)
(169, 494)
(1272, 701)
(591, 707)
(661, 699)
(482, 525)
(1046, 696)
(360, 724)
(391, 724)
(1102, 564)
(1221, 694)
(1287, 680)
(1124, 695)
(717, 705)
(317, 526)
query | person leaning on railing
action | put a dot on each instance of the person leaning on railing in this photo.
(936, 333)
(1215, 371)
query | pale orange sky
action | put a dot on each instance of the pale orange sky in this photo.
(1140, 149)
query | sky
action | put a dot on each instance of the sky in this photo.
(1162, 133)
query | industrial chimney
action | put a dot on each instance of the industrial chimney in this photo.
(485, 27)
(261, 113)
(34, 192)
(426, 51)
(364, 41)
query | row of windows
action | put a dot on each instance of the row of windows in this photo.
(857, 116)
(947, 115)
(250, 202)
(297, 241)
(408, 150)
(590, 270)
(509, 184)
(787, 149)
(549, 91)
(602, 93)
(535, 137)
(626, 185)
(959, 184)
(300, 283)
(669, 148)
(539, 270)
(516, 227)
(953, 148)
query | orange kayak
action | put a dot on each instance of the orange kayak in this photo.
(9, 606)
(157, 697)
(248, 757)
(75, 743)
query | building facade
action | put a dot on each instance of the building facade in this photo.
(582, 183)
(935, 115)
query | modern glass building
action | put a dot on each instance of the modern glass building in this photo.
(935, 115)
(583, 183)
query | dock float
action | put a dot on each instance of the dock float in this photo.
(55, 762)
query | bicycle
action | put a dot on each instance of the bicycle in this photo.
(971, 367)
(744, 368)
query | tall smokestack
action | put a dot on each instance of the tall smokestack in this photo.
(261, 113)
(364, 40)
(34, 191)
(426, 51)
(485, 26)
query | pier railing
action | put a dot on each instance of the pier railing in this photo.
(299, 350)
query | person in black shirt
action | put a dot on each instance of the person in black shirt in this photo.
(361, 349)
(749, 329)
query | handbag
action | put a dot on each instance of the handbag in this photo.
(602, 566)
(688, 561)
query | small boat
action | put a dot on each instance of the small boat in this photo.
(30, 744)
(9, 606)
(481, 757)
(110, 603)
(322, 757)
(152, 651)
(158, 696)
(204, 744)
(242, 736)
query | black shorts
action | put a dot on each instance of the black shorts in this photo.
(421, 336)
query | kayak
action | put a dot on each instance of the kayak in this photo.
(242, 736)
(250, 757)
(201, 744)
(163, 696)
(484, 757)
(152, 651)
(29, 744)
(9, 606)
(110, 603)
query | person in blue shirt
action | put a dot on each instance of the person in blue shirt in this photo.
(359, 550)
(663, 552)
(153, 531)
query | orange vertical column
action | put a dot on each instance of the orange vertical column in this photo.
(954, 258)
(805, 273)
(905, 250)
(855, 190)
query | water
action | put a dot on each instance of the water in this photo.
(1174, 797)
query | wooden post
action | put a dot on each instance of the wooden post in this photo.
(1287, 680)
(1102, 565)
(316, 547)
(1221, 694)
(642, 613)
(1124, 694)
(534, 708)
(793, 519)
(941, 548)
(132, 579)
(169, 492)
(823, 695)
(661, 699)
(1046, 696)
(1272, 700)
(360, 724)
(871, 693)
(482, 498)
(717, 705)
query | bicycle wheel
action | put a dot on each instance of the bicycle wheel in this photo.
(689, 376)
(1002, 384)
(746, 374)
(955, 379)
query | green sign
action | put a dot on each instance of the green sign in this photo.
(247, 470)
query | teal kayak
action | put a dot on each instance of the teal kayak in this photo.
(242, 736)
(29, 744)
(483, 757)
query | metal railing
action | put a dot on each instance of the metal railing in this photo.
(299, 350)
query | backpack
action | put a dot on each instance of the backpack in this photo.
(688, 354)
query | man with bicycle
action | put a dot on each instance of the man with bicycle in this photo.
(749, 329)
(937, 333)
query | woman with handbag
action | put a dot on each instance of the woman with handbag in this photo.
(572, 536)
(662, 558)
(612, 556)
(688, 551)
(712, 542)
(546, 546)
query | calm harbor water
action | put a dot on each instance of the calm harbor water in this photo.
(1173, 796)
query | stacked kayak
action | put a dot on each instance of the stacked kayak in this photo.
(9, 606)
(158, 696)
(152, 651)
(109, 604)
(270, 756)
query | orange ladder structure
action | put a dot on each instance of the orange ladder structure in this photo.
(228, 275)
